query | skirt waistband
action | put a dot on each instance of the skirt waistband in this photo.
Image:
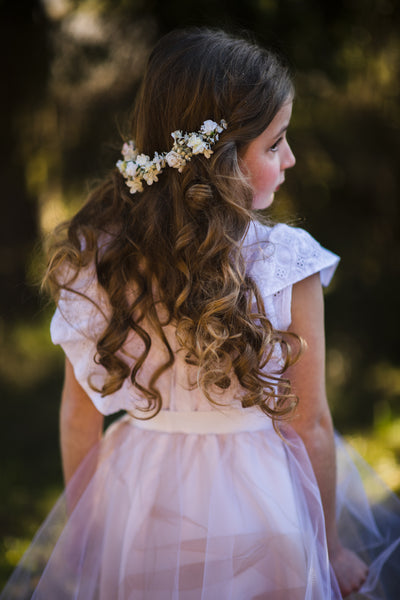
(203, 422)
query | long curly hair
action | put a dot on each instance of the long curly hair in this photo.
(179, 242)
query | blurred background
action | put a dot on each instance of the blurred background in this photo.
(70, 71)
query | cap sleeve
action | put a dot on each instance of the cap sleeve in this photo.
(79, 320)
(282, 256)
(298, 255)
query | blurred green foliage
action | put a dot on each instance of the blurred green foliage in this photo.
(71, 70)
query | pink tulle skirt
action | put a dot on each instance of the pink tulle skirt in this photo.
(160, 512)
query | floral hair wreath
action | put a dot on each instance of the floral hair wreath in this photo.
(137, 168)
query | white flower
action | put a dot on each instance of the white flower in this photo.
(209, 127)
(150, 176)
(121, 166)
(176, 134)
(159, 161)
(196, 143)
(128, 151)
(134, 185)
(142, 160)
(175, 160)
(130, 169)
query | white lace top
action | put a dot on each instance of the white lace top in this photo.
(277, 258)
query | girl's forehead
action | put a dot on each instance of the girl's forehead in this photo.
(281, 120)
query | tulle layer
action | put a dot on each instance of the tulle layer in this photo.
(156, 515)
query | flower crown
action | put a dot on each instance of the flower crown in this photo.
(137, 168)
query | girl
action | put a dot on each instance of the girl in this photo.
(176, 304)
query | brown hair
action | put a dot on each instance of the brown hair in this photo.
(185, 232)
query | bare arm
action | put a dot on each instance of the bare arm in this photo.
(81, 424)
(313, 421)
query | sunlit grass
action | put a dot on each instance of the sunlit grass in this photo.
(380, 447)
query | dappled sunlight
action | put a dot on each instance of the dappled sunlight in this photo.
(372, 73)
(97, 58)
(14, 547)
(385, 378)
(27, 355)
(380, 447)
(52, 210)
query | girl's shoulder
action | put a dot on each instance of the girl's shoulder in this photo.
(279, 256)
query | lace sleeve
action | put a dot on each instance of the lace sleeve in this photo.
(282, 256)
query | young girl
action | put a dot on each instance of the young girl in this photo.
(176, 304)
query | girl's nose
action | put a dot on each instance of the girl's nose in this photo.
(289, 158)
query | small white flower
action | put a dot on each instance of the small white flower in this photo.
(209, 127)
(196, 143)
(128, 151)
(159, 161)
(175, 160)
(134, 185)
(130, 169)
(150, 176)
(121, 166)
(176, 134)
(142, 160)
